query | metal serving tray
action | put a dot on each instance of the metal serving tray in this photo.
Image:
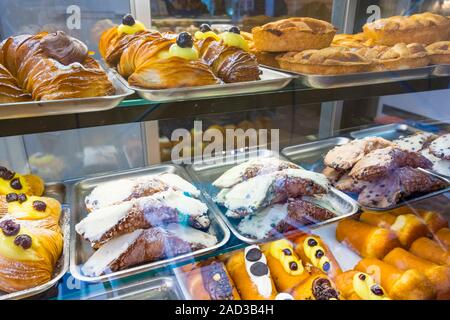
(442, 70)
(81, 249)
(389, 131)
(364, 78)
(162, 288)
(62, 266)
(206, 172)
(270, 80)
(310, 155)
(66, 106)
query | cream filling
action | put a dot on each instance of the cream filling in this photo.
(362, 288)
(94, 226)
(263, 283)
(110, 193)
(178, 183)
(100, 262)
(191, 235)
(175, 199)
(260, 225)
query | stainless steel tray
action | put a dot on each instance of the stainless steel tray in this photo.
(67, 106)
(81, 250)
(161, 288)
(389, 131)
(270, 80)
(309, 155)
(206, 172)
(442, 70)
(364, 78)
(62, 266)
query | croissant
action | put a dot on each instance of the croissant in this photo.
(231, 64)
(30, 241)
(9, 89)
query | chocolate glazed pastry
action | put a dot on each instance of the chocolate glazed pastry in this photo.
(217, 282)
(323, 290)
(64, 49)
(316, 287)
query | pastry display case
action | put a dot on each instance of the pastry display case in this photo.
(225, 150)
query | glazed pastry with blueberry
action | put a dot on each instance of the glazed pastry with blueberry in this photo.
(285, 266)
(31, 241)
(227, 54)
(12, 182)
(313, 251)
(355, 285)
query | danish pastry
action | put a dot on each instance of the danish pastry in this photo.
(332, 60)
(439, 52)
(355, 285)
(293, 34)
(251, 274)
(431, 250)
(438, 275)
(366, 240)
(425, 28)
(400, 285)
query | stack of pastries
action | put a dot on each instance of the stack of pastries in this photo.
(381, 172)
(310, 46)
(153, 60)
(136, 220)
(271, 196)
(49, 66)
(31, 240)
(407, 252)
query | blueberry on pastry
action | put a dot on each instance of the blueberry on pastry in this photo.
(12, 182)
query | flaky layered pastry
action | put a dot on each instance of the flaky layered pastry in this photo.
(425, 28)
(351, 41)
(400, 56)
(439, 52)
(332, 60)
(293, 34)
(9, 89)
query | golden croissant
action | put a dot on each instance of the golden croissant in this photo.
(52, 66)
(229, 63)
(31, 241)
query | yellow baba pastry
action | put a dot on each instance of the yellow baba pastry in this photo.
(205, 32)
(11, 182)
(355, 285)
(130, 25)
(233, 38)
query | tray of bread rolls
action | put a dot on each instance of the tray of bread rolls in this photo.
(400, 254)
(262, 196)
(51, 74)
(34, 235)
(135, 221)
(393, 49)
(381, 174)
(169, 66)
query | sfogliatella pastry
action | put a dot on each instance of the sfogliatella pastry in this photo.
(313, 251)
(438, 275)
(147, 245)
(425, 28)
(443, 237)
(293, 34)
(400, 56)
(407, 227)
(102, 225)
(209, 281)
(54, 66)
(354, 285)
(261, 191)
(318, 286)
(12, 182)
(115, 192)
(366, 240)
(9, 89)
(31, 241)
(277, 219)
(400, 285)
(250, 273)
(251, 169)
(229, 58)
(285, 266)
(439, 52)
(431, 250)
(328, 61)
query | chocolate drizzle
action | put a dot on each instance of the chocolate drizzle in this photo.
(63, 48)
(216, 282)
(323, 290)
